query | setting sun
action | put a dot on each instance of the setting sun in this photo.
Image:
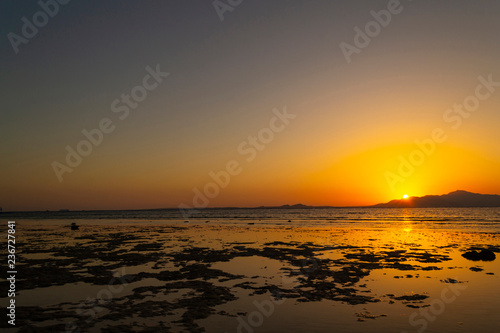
(274, 171)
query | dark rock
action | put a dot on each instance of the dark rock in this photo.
(484, 255)
(411, 297)
(476, 269)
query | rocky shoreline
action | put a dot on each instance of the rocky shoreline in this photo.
(150, 265)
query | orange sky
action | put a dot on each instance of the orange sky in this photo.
(353, 122)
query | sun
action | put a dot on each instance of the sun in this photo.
(406, 196)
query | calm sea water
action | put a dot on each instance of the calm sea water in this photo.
(471, 219)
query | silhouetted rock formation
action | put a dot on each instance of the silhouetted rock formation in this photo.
(484, 255)
(453, 199)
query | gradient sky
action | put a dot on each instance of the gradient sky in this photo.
(353, 120)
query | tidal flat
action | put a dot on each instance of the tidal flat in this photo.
(173, 277)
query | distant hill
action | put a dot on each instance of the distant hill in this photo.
(453, 199)
(296, 206)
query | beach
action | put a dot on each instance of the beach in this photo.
(236, 166)
(183, 277)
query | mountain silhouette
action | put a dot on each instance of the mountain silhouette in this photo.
(452, 199)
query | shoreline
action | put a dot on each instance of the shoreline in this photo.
(195, 277)
(272, 223)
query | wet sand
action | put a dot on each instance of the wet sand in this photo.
(184, 278)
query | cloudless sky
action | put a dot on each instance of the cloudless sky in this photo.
(353, 120)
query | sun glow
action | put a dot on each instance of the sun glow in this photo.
(406, 196)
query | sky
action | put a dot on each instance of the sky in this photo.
(248, 103)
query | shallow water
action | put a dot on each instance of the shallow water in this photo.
(471, 219)
(238, 278)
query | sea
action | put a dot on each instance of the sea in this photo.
(466, 219)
